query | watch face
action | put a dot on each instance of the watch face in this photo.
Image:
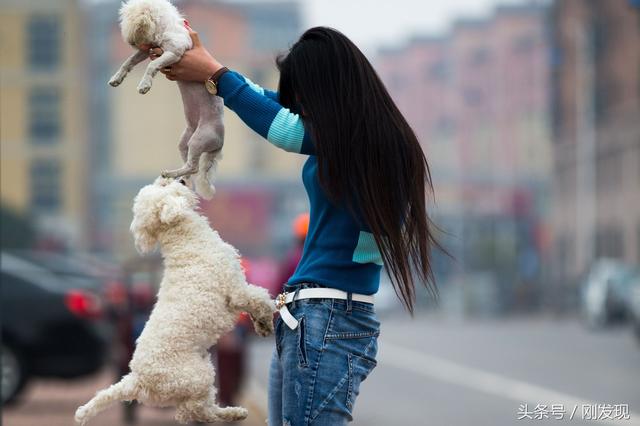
(211, 87)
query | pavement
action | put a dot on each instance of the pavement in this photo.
(53, 403)
(434, 370)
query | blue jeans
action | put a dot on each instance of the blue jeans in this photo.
(316, 369)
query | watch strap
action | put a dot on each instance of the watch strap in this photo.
(216, 75)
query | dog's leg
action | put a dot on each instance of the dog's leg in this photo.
(124, 390)
(167, 58)
(189, 168)
(196, 146)
(183, 145)
(206, 170)
(211, 144)
(207, 411)
(127, 66)
(183, 148)
(256, 302)
(226, 414)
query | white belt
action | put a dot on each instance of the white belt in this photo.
(313, 293)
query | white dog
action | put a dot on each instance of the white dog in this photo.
(201, 294)
(159, 24)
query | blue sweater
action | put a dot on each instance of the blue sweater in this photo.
(339, 250)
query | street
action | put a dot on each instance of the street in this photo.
(53, 402)
(437, 371)
(432, 371)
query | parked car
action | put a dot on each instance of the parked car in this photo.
(94, 273)
(52, 326)
(605, 292)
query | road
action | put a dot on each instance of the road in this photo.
(438, 371)
(53, 402)
(431, 371)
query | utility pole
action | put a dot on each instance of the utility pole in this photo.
(585, 147)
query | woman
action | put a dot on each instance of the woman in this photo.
(366, 177)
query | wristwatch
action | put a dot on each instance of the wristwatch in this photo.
(212, 83)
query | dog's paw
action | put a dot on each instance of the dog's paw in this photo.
(144, 86)
(115, 81)
(263, 326)
(232, 414)
(169, 174)
(81, 415)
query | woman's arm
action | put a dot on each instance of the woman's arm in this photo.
(273, 95)
(263, 114)
(257, 107)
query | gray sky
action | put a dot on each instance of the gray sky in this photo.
(374, 23)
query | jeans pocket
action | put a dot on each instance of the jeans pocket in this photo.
(358, 325)
(344, 365)
(278, 335)
(302, 345)
(359, 369)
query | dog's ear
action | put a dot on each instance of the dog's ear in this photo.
(145, 242)
(174, 207)
(143, 234)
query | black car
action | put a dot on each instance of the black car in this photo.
(52, 325)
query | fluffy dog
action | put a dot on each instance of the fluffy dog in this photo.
(158, 23)
(201, 294)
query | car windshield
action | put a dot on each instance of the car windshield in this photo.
(42, 277)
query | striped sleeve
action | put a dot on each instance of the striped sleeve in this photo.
(259, 89)
(260, 110)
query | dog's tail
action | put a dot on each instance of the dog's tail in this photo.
(124, 390)
(207, 165)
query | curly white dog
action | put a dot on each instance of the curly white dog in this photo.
(158, 23)
(201, 294)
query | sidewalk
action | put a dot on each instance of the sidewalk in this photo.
(53, 402)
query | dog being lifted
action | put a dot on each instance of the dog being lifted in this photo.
(159, 24)
(202, 292)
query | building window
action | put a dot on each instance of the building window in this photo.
(44, 115)
(44, 38)
(565, 255)
(610, 243)
(524, 44)
(479, 56)
(473, 96)
(609, 171)
(45, 176)
(445, 126)
(397, 82)
(438, 72)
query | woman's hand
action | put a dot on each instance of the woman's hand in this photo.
(196, 64)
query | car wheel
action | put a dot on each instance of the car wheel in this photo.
(13, 374)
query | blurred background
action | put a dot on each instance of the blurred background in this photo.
(529, 114)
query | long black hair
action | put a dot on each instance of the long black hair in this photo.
(368, 156)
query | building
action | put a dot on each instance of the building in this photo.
(477, 98)
(99, 18)
(596, 81)
(43, 114)
(272, 25)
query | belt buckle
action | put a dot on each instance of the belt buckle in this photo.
(281, 300)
